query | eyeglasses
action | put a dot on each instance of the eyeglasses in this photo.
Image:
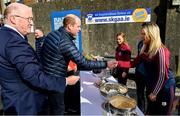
(29, 19)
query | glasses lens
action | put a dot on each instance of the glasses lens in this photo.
(30, 19)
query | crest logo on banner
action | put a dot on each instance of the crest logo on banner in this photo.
(140, 15)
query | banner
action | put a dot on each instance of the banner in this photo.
(119, 16)
(57, 21)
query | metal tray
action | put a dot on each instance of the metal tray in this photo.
(108, 89)
(122, 103)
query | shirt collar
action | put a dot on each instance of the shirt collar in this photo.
(9, 26)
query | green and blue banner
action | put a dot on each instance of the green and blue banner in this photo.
(119, 16)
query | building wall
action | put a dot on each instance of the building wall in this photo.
(173, 35)
(100, 39)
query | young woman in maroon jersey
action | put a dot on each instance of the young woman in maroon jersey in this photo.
(123, 52)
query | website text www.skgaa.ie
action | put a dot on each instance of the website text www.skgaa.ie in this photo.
(111, 19)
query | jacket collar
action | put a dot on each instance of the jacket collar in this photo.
(10, 27)
(63, 29)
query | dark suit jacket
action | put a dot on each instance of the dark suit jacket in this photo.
(21, 77)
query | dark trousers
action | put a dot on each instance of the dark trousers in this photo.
(122, 80)
(179, 108)
(163, 103)
(140, 89)
(118, 75)
(72, 99)
(56, 104)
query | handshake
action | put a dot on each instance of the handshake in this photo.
(112, 64)
(71, 80)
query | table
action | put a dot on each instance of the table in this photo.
(91, 99)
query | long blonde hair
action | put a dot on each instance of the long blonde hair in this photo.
(152, 31)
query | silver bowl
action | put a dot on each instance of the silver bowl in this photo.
(121, 103)
(109, 89)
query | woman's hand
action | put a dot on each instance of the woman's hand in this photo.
(152, 97)
(124, 74)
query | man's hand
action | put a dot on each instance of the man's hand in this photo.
(71, 80)
(38, 33)
(112, 64)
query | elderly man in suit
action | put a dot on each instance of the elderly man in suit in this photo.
(21, 77)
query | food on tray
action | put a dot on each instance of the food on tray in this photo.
(109, 88)
(122, 102)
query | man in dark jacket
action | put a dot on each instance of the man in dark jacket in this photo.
(21, 77)
(58, 49)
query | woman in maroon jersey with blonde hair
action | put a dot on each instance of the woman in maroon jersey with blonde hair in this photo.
(160, 83)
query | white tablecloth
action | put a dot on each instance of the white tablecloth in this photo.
(91, 99)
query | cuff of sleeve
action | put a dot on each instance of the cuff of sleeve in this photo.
(66, 82)
(39, 39)
(106, 64)
(154, 93)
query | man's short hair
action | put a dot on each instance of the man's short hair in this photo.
(69, 19)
